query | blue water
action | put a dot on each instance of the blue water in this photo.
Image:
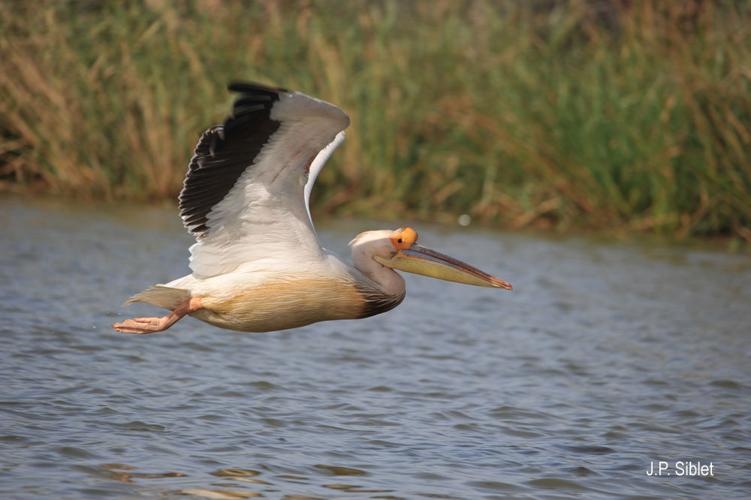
(605, 357)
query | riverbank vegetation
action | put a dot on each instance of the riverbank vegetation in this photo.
(569, 114)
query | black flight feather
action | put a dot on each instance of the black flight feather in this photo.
(225, 151)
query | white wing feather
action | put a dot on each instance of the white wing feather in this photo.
(317, 166)
(264, 220)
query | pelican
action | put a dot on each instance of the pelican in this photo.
(257, 264)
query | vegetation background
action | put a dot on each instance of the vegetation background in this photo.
(628, 115)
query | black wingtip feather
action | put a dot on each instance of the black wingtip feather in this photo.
(253, 87)
(224, 152)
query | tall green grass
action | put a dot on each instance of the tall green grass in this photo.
(631, 115)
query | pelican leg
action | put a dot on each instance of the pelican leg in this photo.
(144, 326)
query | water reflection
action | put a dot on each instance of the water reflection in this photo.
(124, 473)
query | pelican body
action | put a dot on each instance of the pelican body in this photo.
(257, 264)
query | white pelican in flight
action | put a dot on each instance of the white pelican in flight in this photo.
(257, 263)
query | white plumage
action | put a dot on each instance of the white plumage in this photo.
(266, 214)
(257, 263)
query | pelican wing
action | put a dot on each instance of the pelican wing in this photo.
(246, 193)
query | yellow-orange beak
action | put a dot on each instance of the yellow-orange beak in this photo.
(420, 260)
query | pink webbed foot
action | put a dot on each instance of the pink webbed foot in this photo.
(144, 325)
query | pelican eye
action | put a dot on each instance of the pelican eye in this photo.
(403, 238)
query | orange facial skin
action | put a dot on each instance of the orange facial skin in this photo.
(403, 238)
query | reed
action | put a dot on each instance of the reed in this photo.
(593, 115)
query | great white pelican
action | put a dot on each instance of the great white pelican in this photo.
(257, 265)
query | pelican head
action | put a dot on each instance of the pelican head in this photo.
(399, 250)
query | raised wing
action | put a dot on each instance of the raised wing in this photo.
(245, 196)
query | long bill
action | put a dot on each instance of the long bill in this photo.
(420, 260)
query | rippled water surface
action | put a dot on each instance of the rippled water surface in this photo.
(604, 358)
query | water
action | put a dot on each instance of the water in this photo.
(605, 357)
